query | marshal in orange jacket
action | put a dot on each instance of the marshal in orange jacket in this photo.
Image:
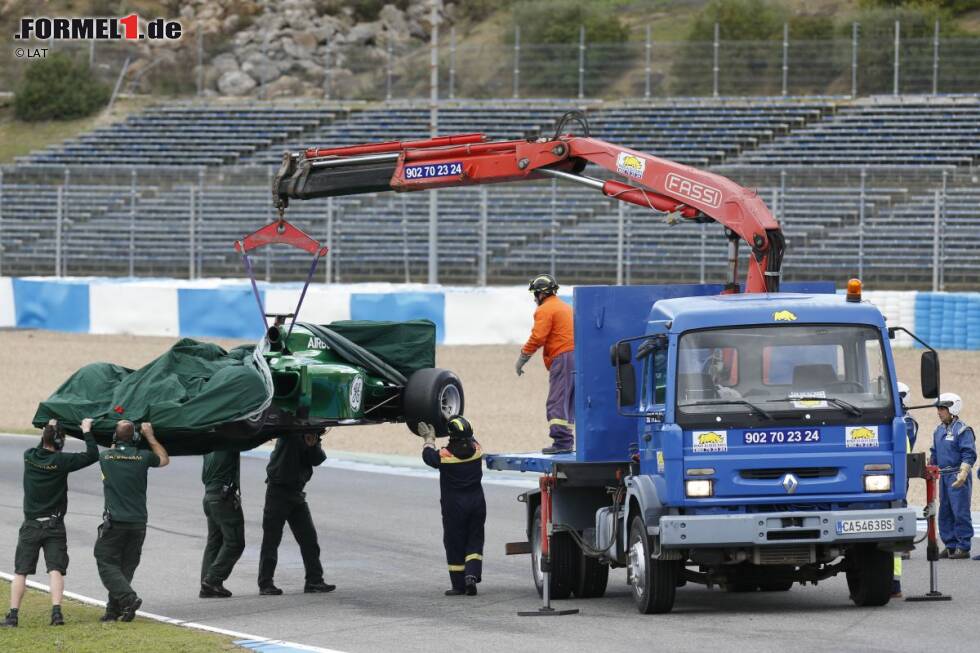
(553, 330)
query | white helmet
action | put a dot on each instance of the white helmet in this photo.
(903, 390)
(952, 402)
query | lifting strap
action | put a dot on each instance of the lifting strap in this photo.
(283, 232)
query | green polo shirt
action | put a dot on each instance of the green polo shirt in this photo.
(46, 478)
(220, 468)
(124, 470)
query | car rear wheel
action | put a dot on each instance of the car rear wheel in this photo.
(432, 395)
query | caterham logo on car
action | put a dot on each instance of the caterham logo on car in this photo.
(356, 392)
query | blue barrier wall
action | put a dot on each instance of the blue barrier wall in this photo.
(462, 315)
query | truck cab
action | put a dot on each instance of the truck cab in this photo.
(752, 442)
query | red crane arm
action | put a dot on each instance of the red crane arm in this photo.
(665, 186)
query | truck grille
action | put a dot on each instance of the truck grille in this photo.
(800, 554)
(777, 473)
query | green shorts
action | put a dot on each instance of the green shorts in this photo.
(34, 536)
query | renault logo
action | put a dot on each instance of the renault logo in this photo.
(790, 483)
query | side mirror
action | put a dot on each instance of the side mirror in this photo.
(621, 353)
(626, 384)
(929, 372)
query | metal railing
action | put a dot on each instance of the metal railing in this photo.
(894, 228)
(639, 67)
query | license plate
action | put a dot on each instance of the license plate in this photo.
(791, 436)
(856, 526)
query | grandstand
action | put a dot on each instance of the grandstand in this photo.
(202, 177)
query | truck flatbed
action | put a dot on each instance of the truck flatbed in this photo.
(564, 465)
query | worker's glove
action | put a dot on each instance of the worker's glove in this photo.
(962, 475)
(521, 362)
(428, 434)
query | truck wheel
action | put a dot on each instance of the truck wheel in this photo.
(563, 561)
(869, 575)
(654, 582)
(592, 576)
(432, 395)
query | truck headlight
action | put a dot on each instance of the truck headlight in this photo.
(700, 488)
(877, 483)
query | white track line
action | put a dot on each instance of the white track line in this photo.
(184, 624)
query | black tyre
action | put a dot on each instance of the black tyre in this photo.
(869, 575)
(591, 578)
(564, 559)
(654, 582)
(432, 395)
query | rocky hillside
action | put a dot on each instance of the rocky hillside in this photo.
(276, 48)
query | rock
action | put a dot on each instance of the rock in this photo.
(285, 86)
(235, 82)
(224, 63)
(365, 33)
(306, 40)
(297, 50)
(260, 68)
(308, 69)
(394, 22)
(230, 23)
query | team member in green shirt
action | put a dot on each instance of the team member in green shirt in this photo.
(226, 523)
(46, 470)
(123, 529)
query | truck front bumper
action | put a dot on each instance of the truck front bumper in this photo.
(782, 528)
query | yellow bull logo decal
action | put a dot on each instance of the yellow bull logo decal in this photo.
(862, 434)
(710, 438)
(784, 316)
(630, 165)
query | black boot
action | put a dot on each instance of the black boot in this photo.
(10, 621)
(269, 590)
(110, 615)
(556, 449)
(213, 591)
(470, 586)
(455, 592)
(128, 612)
(56, 618)
(319, 588)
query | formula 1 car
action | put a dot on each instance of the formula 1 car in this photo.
(357, 373)
(301, 380)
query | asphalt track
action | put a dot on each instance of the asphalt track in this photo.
(381, 541)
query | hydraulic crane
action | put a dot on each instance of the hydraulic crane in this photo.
(682, 192)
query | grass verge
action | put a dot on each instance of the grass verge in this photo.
(83, 633)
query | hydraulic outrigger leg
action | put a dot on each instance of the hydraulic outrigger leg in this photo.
(931, 475)
(546, 483)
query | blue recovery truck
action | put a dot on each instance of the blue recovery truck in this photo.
(746, 441)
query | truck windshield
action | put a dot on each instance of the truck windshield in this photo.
(823, 370)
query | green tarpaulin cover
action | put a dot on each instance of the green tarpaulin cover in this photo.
(406, 346)
(193, 388)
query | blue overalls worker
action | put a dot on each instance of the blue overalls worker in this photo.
(954, 451)
(464, 508)
(911, 426)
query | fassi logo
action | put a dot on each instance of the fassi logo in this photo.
(693, 190)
